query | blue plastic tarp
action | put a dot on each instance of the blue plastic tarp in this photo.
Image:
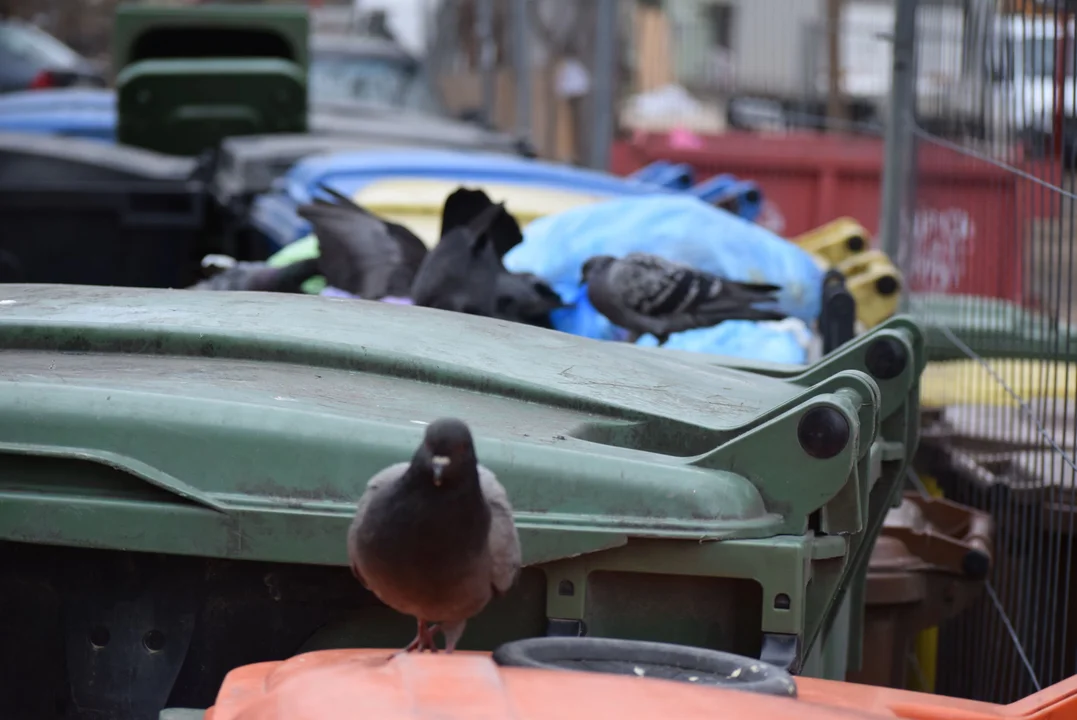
(685, 229)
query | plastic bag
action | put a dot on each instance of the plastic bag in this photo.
(785, 341)
(679, 227)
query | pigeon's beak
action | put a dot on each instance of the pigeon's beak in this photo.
(439, 463)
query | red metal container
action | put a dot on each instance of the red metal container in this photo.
(967, 233)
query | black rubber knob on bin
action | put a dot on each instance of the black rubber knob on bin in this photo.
(823, 432)
(886, 358)
(683, 663)
(976, 564)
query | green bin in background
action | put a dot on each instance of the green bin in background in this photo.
(179, 469)
(189, 77)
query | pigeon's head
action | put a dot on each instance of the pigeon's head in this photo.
(448, 450)
(596, 264)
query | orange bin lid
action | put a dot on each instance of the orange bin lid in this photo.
(367, 685)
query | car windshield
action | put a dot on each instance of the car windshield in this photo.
(35, 46)
(387, 82)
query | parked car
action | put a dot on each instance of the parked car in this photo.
(369, 70)
(32, 59)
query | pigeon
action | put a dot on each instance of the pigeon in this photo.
(361, 253)
(228, 274)
(434, 538)
(526, 298)
(645, 293)
(461, 272)
(465, 204)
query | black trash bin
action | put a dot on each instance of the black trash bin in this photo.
(91, 213)
(247, 165)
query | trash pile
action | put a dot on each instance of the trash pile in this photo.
(659, 269)
(601, 281)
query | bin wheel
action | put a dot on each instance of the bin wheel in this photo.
(683, 663)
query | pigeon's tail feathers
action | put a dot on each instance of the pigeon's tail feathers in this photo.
(707, 319)
(461, 207)
(755, 288)
(290, 278)
(729, 294)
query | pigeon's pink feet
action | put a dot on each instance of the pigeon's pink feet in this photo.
(424, 640)
(452, 633)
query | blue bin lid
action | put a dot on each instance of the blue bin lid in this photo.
(58, 100)
(274, 216)
(348, 172)
(78, 112)
(91, 124)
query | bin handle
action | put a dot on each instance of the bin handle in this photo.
(969, 554)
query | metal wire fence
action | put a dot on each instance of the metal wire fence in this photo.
(989, 158)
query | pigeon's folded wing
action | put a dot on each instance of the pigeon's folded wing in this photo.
(653, 286)
(381, 483)
(505, 554)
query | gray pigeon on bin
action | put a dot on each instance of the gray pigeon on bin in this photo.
(360, 252)
(461, 272)
(225, 273)
(645, 293)
(434, 538)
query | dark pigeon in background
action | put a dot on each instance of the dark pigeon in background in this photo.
(460, 273)
(644, 293)
(359, 252)
(435, 538)
(466, 204)
(224, 273)
(526, 298)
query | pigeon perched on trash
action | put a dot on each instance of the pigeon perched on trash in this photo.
(361, 253)
(466, 204)
(434, 538)
(461, 272)
(645, 293)
(526, 298)
(225, 273)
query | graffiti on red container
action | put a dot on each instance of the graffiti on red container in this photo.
(942, 239)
